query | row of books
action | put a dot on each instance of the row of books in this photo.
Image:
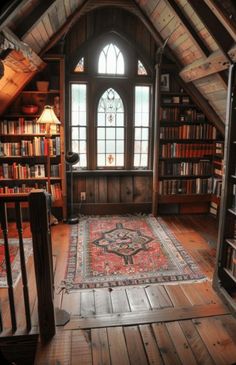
(220, 148)
(168, 150)
(213, 208)
(23, 188)
(22, 126)
(217, 186)
(177, 114)
(187, 131)
(40, 146)
(193, 186)
(202, 167)
(218, 167)
(175, 99)
(19, 171)
(230, 262)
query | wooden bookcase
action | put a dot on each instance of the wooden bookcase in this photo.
(187, 147)
(23, 145)
(225, 274)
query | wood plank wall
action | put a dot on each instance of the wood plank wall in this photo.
(104, 194)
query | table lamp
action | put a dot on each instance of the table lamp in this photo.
(49, 118)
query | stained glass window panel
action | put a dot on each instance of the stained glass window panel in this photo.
(111, 60)
(141, 69)
(110, 138)
(80, 66)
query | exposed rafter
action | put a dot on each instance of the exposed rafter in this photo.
(213, 25)
(197, 40)
(34, 17)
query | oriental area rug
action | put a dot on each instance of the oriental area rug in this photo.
(126, 250)
(14, 258)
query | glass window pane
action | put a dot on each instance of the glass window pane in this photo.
(145, 134)
(144, 160)
(120, 133)
(144, 146)
(101, 133)
(82, 133)
(136, 160)
(120, 147)
(75, 133)
(75, 146)
(120, 119)
(83, 160)
(138, 133)
(82, 146)
(110, 133)
(101, 119)
(101, 146)
(137, 147)
(80, 66)
(110, 146)
(101, 160)
(111, 60)
(120, 160)
(141, 69)
(110, 159)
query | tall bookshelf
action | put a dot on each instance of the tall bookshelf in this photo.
(225, 274)
(24, 145)
(187, 146)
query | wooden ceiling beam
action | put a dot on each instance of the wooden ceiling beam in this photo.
(33, 18)
(216, 62)
(217, 8)
(190, 88)
(72, 19)
(10, 11)
(197, 40)
(218, 32)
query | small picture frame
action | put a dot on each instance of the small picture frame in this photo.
(165, 82)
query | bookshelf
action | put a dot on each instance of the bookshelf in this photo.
(225, 274)
(217, 164)
(23, 143)
(187, 145)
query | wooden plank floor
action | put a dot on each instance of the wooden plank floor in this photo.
(151, 324)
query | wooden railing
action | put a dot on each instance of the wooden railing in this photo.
(38, 205)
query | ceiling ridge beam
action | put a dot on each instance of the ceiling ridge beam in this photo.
(10, 11)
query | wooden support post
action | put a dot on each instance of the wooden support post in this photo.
(23, 265)
(156, 135)
(39, 220)
(4, 226)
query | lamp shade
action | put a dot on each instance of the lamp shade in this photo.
(48, 116)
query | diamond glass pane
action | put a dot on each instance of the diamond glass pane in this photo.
(141, 69)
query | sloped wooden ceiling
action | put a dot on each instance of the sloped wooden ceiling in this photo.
(201, 36)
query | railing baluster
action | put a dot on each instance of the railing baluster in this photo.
(4, 226)
(23, 266)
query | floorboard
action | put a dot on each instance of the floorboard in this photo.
(154, 324)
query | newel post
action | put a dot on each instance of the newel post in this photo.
(39, 203)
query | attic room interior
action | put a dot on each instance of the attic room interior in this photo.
(117, 182)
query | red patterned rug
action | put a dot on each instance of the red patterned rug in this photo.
(126, 250)
(14, 258)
